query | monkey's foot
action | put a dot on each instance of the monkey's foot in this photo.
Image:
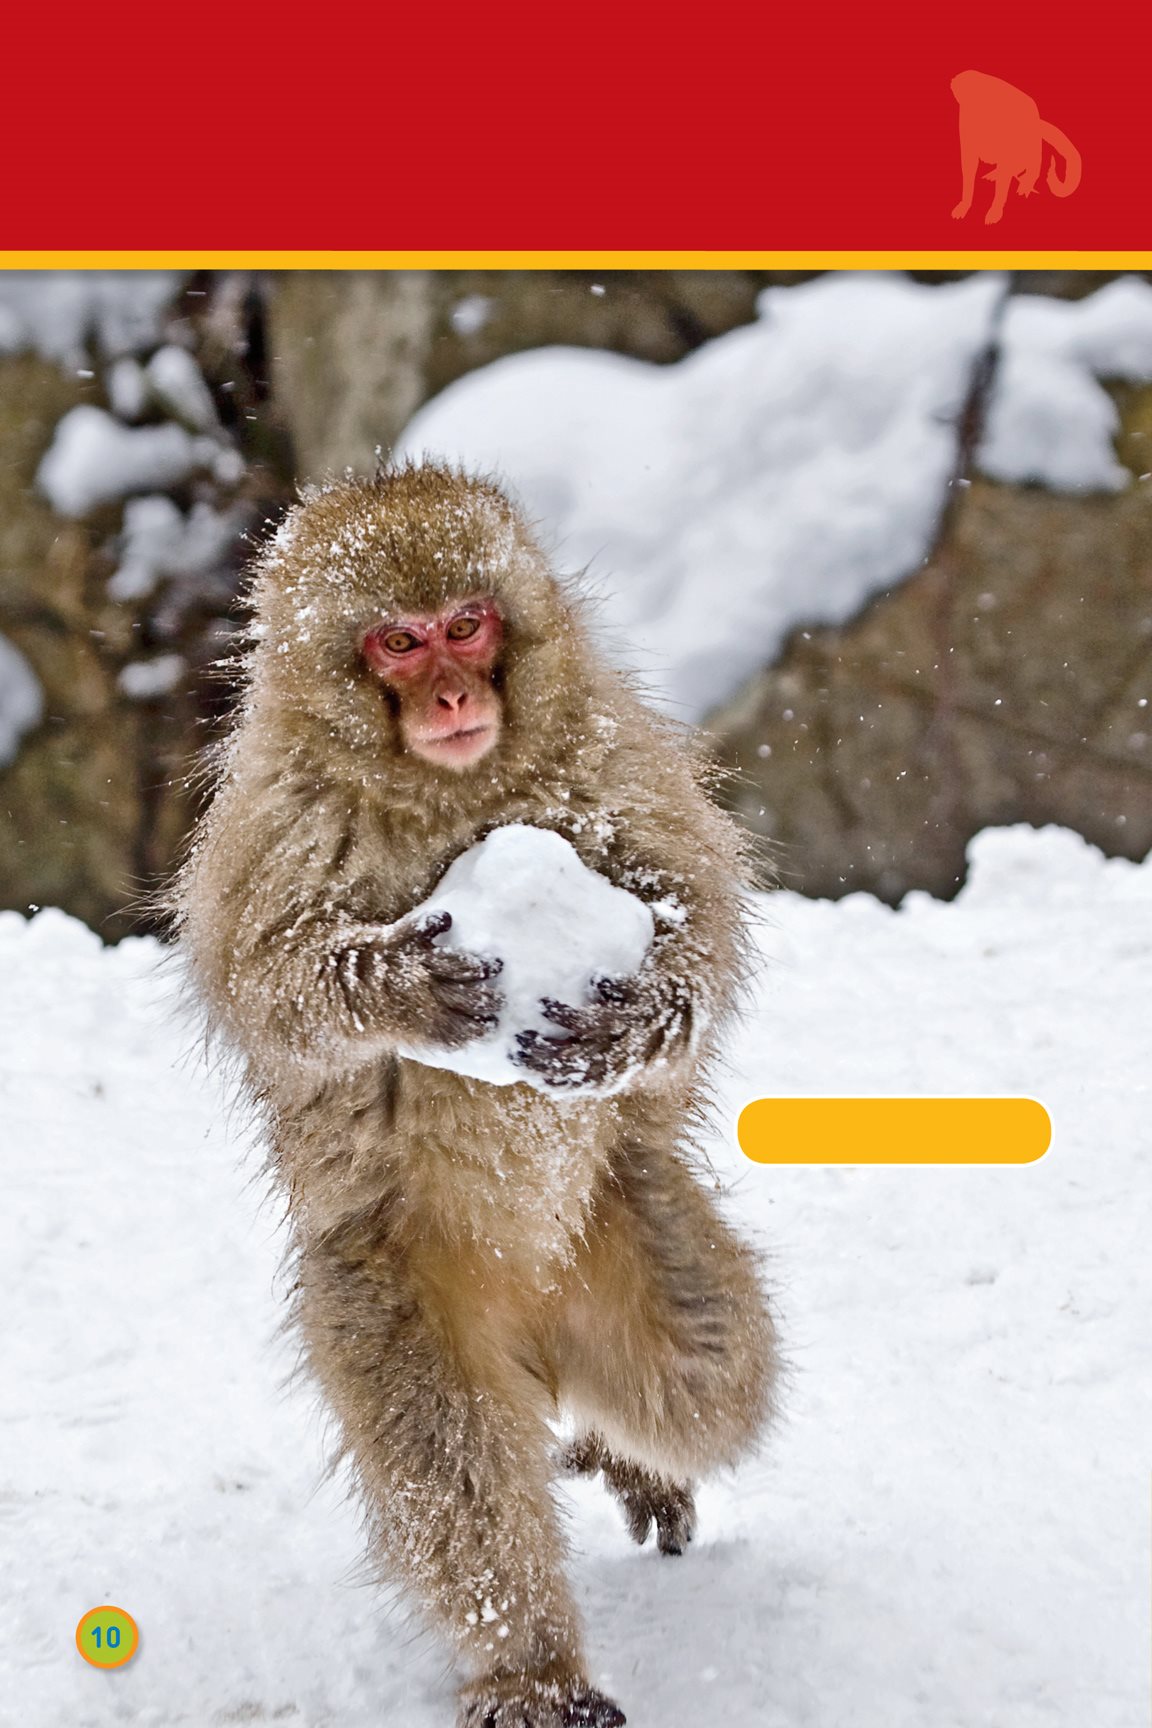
(647, 1499)
(961, 209)
(527, 1701)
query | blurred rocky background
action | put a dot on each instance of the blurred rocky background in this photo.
(153, 426)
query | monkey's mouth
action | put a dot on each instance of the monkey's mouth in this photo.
(466, 745)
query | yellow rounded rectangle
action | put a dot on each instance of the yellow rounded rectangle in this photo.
(894, 1130)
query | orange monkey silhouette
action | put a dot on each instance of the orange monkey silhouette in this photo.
(1000, 125)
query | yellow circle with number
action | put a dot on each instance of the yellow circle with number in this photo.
(107, 1637)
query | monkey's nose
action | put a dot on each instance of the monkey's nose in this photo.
(453, 700)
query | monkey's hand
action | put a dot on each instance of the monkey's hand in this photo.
(399, 981)
(630, 1024)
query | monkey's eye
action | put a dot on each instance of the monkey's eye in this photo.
(400, 641)
(461, 628)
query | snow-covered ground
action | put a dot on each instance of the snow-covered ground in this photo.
(949, 1529)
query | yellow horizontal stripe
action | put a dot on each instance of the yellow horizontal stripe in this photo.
(208, 259)
(894, 1130)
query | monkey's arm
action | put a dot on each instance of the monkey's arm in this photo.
(307, 972)
(341, 987)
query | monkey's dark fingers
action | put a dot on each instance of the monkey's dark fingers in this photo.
(639, 1520)
(592, 1710)
(534, 1049)
(506, 1713)
(537, 1701)
(432, 924)
(620, 992)
(458, 967)
(562, 1062)
(598, 1025)
(471, 1001)
(675, 1520)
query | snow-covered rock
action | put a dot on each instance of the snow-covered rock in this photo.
(21, 700)
(159, 541)
(1050, 422)
(178, 385)
(785, 473)
(93, 459)
(62, 314)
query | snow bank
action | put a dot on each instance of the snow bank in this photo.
(21, 700)
(1050, 420)
(784, 473)
(523, 896)
(60, 313)
(94, 460)
(950, 1524)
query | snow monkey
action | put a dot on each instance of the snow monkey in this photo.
(474, 1259)
(1001, 125)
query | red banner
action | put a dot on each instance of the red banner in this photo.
(590, 128)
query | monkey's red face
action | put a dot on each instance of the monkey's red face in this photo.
(439, 669)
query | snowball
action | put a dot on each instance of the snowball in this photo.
(523, 896)
(21, 700)
(93, 459)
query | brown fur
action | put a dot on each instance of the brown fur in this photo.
(473, 1258)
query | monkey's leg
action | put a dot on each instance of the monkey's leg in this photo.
(969, 162)
(647, 1498)
(1001, 179)
(663, 1342)
(453, 1458)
